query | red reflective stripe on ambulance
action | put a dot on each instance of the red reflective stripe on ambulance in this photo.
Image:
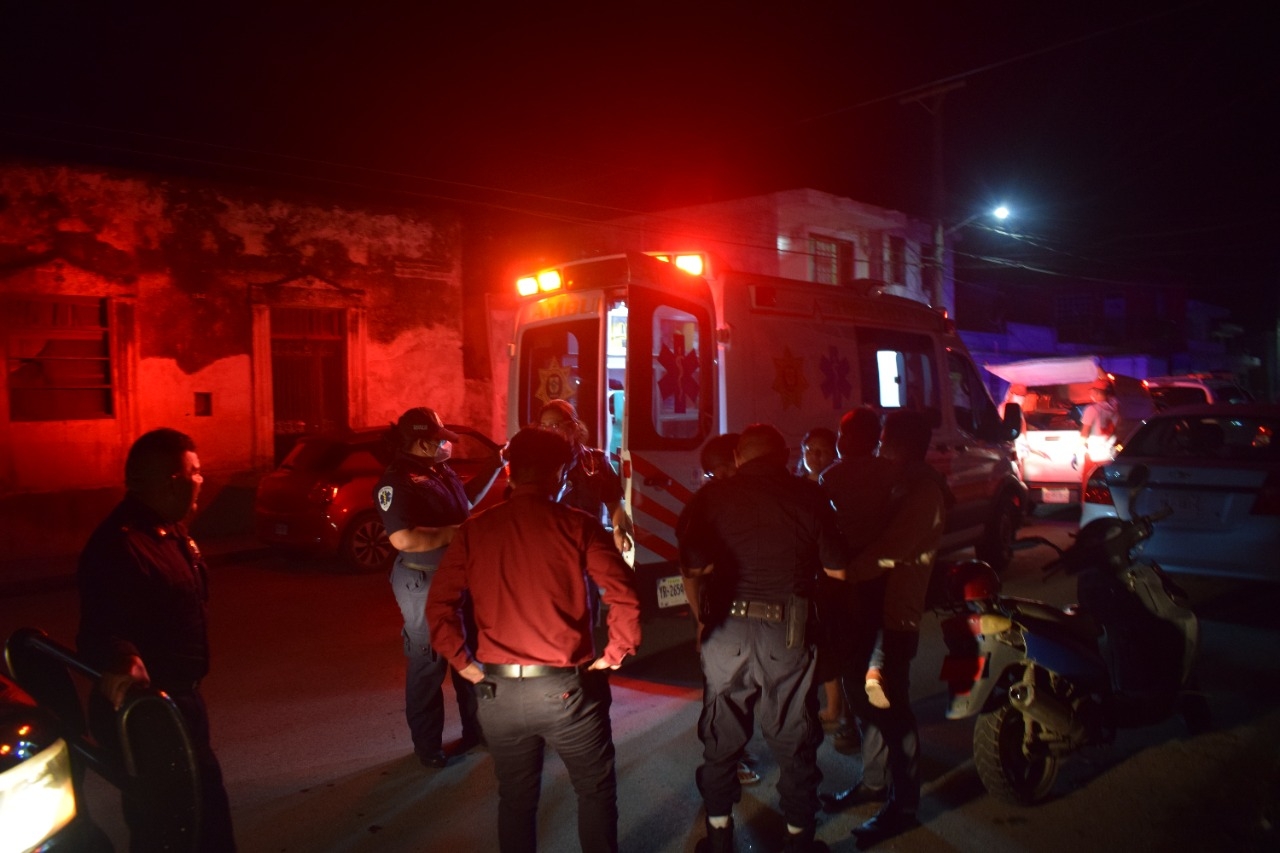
(643, 504)
(646, 469)
(657, 545)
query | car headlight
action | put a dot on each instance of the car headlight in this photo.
(37, 798)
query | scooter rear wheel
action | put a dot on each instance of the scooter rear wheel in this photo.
(1005, 768)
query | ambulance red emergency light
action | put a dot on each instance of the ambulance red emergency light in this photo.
(657, 360)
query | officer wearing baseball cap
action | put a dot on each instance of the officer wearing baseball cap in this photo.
(422, 501)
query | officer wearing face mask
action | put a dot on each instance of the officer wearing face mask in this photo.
(422, 501)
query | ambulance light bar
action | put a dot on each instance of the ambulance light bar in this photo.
(546, 281)
(692, 264)
(549, 281)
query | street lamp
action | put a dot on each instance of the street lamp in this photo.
(940, 234)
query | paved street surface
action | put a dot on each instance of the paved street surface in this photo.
(307, 709)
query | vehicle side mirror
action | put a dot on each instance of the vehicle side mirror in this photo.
(1011, 424)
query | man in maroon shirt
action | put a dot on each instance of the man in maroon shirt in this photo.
(525, 565)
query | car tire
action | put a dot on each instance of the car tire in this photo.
(996, 546)
(365, 547)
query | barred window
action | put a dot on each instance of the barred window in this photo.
(58, 359)
(831, 261)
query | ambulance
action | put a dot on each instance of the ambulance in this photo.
(659, 352)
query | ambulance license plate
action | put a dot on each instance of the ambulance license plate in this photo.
(1056, 496)
(671, 591)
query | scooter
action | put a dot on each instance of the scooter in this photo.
(1044, 682)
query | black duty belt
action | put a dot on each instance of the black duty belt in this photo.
(535, 670)
(767, 610)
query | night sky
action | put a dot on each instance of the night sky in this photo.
(1136, 141)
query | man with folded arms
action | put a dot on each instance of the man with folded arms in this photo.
(524, 565)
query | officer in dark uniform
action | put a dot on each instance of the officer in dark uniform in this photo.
(751, 551)
(422, 502)
(144, 620)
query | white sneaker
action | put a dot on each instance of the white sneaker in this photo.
(875, 693)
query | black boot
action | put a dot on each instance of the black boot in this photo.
(803, 842)
(718, 840)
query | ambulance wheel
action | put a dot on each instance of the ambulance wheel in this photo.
(365, 546)
(996, 547)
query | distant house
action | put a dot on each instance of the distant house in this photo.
(800, 234)
(129, 302)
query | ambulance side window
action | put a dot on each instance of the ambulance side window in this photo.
(677, 374)
(897, 370)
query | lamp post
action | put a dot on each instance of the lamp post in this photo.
(940, 234)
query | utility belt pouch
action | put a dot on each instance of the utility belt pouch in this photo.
(797, 619)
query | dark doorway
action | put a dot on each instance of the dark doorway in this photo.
(308, 374)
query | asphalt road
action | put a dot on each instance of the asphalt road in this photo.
(307, 709)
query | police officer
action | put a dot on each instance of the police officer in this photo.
(751, 553)
(144, 620)
(422, 502)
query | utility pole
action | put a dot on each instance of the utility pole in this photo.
(931, 100)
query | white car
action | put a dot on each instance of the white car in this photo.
(1218, 469)
(1192, 389)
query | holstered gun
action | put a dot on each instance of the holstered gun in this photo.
(797, 619)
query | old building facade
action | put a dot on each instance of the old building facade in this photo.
(245, 319)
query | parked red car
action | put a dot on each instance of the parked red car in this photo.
(321, 496)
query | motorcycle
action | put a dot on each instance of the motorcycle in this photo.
(1043, 682)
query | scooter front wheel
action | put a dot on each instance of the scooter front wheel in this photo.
(1011, 771)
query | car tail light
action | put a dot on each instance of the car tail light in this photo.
(1268, 500)
(1096, 490)
(322, 493)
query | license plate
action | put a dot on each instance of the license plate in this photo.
(1055, 496)
(282, 530)
(671, 591)
(962, 669)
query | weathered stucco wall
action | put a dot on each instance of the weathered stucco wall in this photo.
(192, 272)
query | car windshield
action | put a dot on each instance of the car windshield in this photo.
(1208, 436)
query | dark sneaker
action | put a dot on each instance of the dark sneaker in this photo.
(850, 797)
(430, 758)
(718, 840)
(803, 842)
(889, 823)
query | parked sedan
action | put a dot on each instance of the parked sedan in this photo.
(1218, 469)
(321, 497)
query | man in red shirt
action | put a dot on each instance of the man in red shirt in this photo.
(525, 566)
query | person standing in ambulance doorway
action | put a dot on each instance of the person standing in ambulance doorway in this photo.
(422, 501)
